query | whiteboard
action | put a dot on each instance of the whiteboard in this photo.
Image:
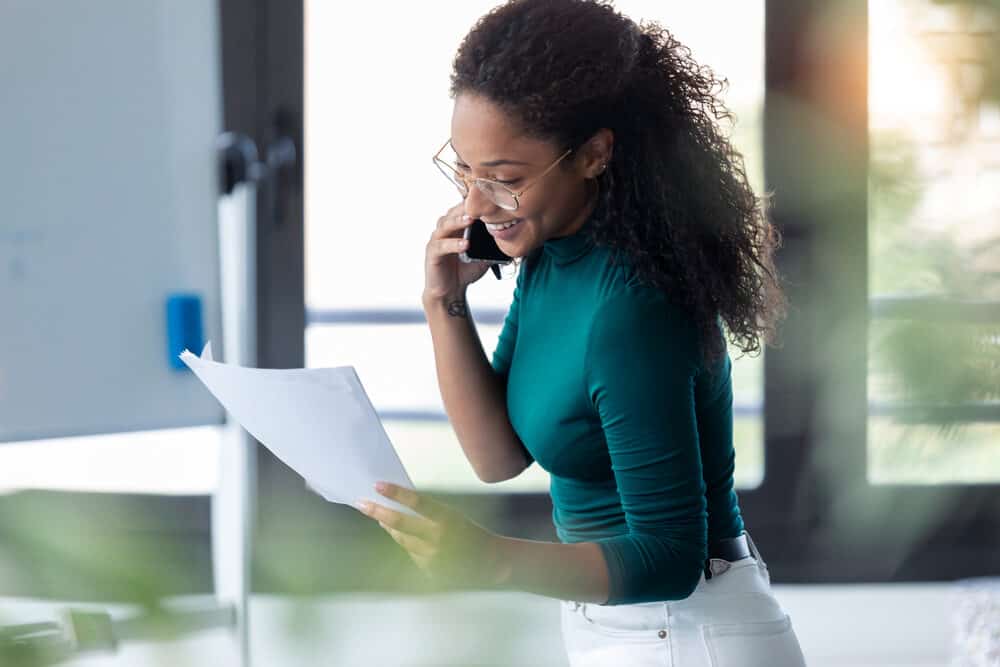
(109, 112)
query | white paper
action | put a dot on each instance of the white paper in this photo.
(318, 421)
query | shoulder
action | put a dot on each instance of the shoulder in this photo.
(625, 298)
(632, 315)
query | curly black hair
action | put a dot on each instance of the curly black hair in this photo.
(674, 201)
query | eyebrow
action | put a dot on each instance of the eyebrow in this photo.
(491, 163)
(497, 163)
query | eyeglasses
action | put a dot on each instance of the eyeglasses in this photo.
(497, 192)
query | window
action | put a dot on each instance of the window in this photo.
(373, 198)
(829, 508)
(933, 238)
(169, 462)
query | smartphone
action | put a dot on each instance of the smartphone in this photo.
(482, 247)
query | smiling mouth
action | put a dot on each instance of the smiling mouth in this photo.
(500, 226)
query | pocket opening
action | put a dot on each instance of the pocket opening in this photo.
(622, 632)
(774, 627)
(753, 644)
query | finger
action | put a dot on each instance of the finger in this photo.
(457, 210)
(415, 501)
(414, 525)
(423, 563)
(450, 224)
(439, 248)
(411, 543)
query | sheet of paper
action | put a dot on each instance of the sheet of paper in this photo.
(318, 421)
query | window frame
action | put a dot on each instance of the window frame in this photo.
(853, 531)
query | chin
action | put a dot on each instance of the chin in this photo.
(511, 249)
(515, 250)
(520, 247)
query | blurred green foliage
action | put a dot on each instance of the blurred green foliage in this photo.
(933, 359)
(990, 8)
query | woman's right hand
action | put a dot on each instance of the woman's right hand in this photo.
(445, 276)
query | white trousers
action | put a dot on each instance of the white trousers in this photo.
(731, 619)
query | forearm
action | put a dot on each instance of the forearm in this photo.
(566, 571)
(472, 394)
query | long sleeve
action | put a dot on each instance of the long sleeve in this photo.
(642, 359)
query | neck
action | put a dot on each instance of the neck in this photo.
(581, 218)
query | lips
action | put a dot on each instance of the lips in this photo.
(500, 226)
(505, 231)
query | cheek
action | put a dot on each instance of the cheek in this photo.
(534, 227)
(536, 216)
(557, 204)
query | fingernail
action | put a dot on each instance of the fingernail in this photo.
(465, 218)
(365, 506)
(381, 487)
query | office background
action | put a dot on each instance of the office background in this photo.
(867, 445)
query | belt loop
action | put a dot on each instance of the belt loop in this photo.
(753, 547)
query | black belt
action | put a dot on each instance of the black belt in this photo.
(728, 549)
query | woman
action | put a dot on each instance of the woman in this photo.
(589, 147)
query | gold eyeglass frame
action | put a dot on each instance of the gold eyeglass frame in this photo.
(516, 196)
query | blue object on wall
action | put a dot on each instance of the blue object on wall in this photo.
(184, 329)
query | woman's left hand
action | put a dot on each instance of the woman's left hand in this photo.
(446, 545)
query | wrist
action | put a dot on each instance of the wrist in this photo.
(448, 303)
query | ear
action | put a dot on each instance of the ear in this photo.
(595, 153)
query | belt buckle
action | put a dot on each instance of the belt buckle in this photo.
(752, 547)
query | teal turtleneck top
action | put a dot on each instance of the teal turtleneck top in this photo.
(608, 394)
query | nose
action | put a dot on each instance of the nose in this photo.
(478, 205)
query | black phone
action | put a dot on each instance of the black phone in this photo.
(482, 247)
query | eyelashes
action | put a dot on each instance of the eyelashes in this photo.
(465, 169)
